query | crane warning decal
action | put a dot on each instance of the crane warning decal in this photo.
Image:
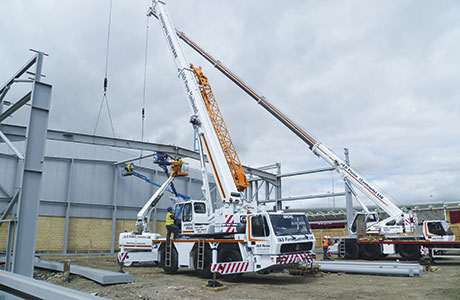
(294, 258)
(122, 256)
(229, 223)
(230, 267)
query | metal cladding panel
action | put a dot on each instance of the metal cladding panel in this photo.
(133, 191)
(52, 209)
(90, 186)
(93, 183)
(127, 213)
(88, 211)
(55, 179)
(8, 165)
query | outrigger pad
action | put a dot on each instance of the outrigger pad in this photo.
(215, 286)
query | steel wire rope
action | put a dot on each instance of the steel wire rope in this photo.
(104, 97)
(145, 80)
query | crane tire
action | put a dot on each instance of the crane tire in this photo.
(351, 251)
(229, 255)
(409, 252)
(206, 271)
(174, 261)
(370, 251)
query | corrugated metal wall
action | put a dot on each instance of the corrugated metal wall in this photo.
(83, 177)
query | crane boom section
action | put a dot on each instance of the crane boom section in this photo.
(314, 144)
(227, 188)
(223, 135)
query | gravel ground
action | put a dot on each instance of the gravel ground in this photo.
(153, 283)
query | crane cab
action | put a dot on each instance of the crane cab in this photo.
(362, 221)
(279, 233)
(192, 217)
(437, 230)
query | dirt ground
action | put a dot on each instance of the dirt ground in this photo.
(152, 283)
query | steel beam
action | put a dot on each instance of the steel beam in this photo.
(9, 206)
(260, 173)
(304, 197)
(103, 277)
(16, 133)
(18, 73)
(384, 268)
(11, 146)
(33, 166)
(28, 288)
(306, 172)
(16, 106)
(2, 188)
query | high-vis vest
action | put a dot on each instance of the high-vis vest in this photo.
(169, 219)
(325, 242)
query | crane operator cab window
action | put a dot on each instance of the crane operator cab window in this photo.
(259, 226)
(439, 228)
(187, 213)
(287, 224)
(199, 208)
(362, 217)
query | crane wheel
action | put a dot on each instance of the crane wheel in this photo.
(229, 255)
(370, 251)
(351, 251)
(206, 271)
(174, 261)
(409, 252)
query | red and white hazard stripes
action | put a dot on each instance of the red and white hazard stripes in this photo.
(230, 267)
(407, 221)
(122, 256)
(294, 258)
(229, 223)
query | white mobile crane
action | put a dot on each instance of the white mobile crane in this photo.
(231, 237)
(136, 246)
(431, 234)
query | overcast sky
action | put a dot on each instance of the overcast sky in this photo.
(378, 77)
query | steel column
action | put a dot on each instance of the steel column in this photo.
(267, 190)
(279, 203)
(114, 213)
(33, 167)
(67, 211)
(154, 222)
(9, 246)
(348, 197)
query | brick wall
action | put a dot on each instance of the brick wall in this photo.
(94, 235)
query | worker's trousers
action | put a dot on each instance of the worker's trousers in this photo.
(171, 228)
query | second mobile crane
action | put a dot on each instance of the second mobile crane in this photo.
(431, 234)
(231, 236)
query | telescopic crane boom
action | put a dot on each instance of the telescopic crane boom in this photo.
(351, 177)
(223, 157)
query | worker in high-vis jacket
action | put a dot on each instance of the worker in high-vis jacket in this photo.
(170, 226)
(326, 242)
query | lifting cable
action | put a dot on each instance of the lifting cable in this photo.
(145, 80)
(145, 75)
(104, 97)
